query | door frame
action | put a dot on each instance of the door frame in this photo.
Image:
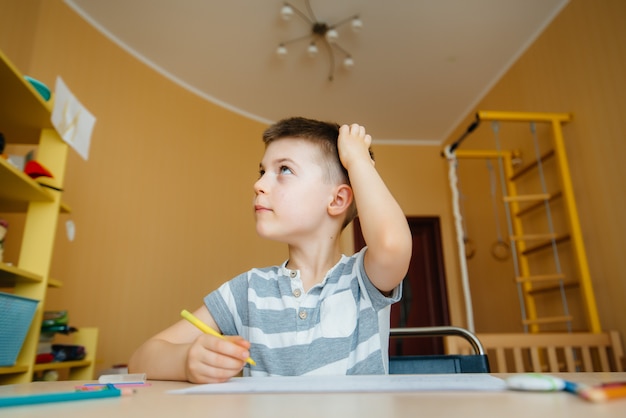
(425, 296)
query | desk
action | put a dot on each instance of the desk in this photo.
(153, 401)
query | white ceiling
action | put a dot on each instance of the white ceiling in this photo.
(420, 65)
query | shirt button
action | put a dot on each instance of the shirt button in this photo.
(293, 274)
(302, 314)
(297, 293)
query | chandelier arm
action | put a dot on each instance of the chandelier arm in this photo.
(343, 51)
(301, 14)
(344, 21)
(310, 10)
(331, 59)
(299, 38)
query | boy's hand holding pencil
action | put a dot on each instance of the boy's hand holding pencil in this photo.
(207, 329)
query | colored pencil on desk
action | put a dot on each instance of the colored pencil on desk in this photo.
(207, 329)
(109, 392)
(604, 392)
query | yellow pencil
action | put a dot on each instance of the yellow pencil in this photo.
(207, 329)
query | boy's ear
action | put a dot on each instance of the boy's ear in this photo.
(342, 200)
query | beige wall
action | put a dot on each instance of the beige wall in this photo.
(163, 206)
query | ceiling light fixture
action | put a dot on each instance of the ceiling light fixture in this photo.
(321, 33)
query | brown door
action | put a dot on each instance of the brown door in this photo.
(424, 300)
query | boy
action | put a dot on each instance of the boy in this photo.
(320, 312)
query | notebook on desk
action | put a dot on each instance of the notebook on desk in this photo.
(361, 383)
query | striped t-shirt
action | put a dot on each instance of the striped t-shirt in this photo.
(338, 327)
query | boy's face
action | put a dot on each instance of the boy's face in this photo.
(291, 195)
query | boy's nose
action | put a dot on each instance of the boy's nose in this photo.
(258, 186)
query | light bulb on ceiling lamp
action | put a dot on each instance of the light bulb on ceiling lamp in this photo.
(332, 35)
(322, 32)
(286, 12)
(312, 49)
(281, 51)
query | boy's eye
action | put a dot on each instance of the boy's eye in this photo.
(261, 172)
(285, 170)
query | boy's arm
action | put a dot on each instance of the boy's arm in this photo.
(182, 352)
(383, 223)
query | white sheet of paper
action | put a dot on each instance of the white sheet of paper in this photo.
(72, 121)
(360, 383)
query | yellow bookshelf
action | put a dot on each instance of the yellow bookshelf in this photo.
(25, 119)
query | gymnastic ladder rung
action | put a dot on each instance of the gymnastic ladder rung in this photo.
(548, 320)
(533, 237)
(527, 197)
(536, 205)
(545, 244)
(554, 287)
(540, 278)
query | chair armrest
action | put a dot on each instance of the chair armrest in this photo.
(440, 331)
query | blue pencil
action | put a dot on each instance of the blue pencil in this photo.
(109, 392)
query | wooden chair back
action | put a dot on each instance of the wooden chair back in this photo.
(548, 352)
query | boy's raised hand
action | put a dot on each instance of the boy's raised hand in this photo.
(383, 223)
(353, 145)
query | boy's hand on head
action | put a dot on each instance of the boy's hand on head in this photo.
(213, 360)
(353, 145)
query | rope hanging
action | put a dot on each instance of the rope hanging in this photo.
(460, 236)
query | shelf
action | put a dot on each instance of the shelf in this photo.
(54, 283)
(9, 275)
(22, 116)
(60, 365)
(65, 208)
(21, 207)
(13, 369)
(19, 188)
(79, 369)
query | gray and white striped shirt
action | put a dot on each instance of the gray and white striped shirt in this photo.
(340, 326)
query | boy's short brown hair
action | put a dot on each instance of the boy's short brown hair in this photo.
(325, 135)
